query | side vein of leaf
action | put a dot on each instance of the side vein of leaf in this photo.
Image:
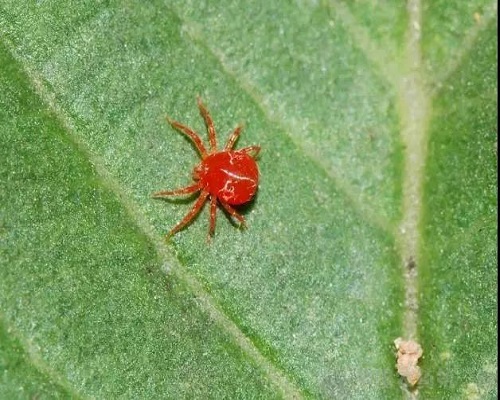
(278, 119)
(374, 52)
(286, 386)
(36, 361)
(468, 43)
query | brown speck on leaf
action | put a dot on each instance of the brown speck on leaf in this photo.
(408, 354)
(411, 264)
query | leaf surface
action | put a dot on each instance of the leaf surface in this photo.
(375, 217)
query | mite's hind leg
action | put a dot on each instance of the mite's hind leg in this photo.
(233, 213)
(190, 215)
(213, 215)
(177, 192)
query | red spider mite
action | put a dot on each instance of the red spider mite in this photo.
(229, 177)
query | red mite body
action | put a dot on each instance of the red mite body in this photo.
(229, 177)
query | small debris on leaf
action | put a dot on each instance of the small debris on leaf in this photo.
(408, 354)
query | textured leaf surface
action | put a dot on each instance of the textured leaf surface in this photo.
(375, 218)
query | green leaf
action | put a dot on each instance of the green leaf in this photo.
(375, 217)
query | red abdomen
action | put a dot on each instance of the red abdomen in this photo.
(231, 176)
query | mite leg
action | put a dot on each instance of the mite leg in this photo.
(210, 126)
(185, 190)
(191, 135)
(233, 138)
(190, 215)
(231, 211)
(252, 151)
(213, 212)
